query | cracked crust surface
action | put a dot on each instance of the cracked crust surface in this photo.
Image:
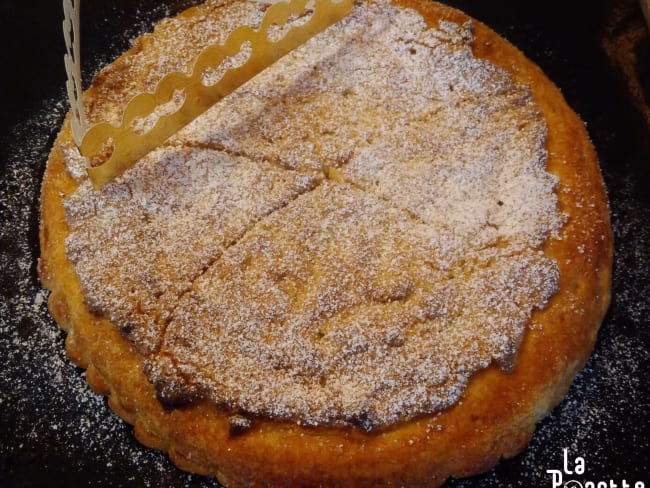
(498, 410)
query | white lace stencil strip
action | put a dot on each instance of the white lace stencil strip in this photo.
(72, 61)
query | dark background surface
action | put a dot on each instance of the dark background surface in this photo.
(53, 432)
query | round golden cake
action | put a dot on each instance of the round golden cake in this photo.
(379, 262)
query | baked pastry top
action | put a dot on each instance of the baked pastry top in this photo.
(396, 235)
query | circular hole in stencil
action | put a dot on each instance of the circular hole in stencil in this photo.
(275, 32)
(141, 125)
(212, 75)
(104, 153)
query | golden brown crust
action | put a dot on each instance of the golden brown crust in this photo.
(498, 412)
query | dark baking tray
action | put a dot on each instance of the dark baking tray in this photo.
(54, 432)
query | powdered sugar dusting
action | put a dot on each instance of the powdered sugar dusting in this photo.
(53, 429)
(76, 164)
(418, 120)
(349, 320)
(139, 243)
(367, 298)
